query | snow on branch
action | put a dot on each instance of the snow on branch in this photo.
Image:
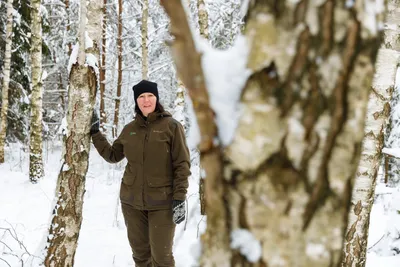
(394, 152)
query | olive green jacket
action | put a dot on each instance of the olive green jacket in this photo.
(158, 161)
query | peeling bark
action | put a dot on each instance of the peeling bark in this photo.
(6, 80)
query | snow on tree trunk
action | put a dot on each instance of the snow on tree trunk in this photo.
(103, 115)
(6, 79)
(119, 79)
(83, 84)
(280, 193)
(36, 171)
(145, 56)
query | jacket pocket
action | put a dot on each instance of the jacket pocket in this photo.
(159, 192)
(159, 182)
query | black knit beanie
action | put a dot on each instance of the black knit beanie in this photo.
(144, 86)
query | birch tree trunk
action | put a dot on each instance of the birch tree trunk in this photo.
(145, 56)
(203, 18)
(392, 170)
(364, 186)
(378, 112)
(103, 115)
(36, 171)
(203, 26)
(67, 7)
(6, 79)
(67, 214)
(285, 181)
(119, 79)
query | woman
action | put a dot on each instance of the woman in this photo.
(155, 181)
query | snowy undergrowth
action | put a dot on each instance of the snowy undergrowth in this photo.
(25, 214)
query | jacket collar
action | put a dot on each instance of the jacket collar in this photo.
(152, 117)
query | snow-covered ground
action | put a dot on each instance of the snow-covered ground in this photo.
(384, 228)
(25, 214)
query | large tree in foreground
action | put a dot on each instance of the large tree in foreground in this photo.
(67, 214)
(284, 183)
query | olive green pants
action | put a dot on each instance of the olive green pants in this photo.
(151, 236)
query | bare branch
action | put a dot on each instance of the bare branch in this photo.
(5, 262)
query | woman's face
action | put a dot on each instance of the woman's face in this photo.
(147, 103)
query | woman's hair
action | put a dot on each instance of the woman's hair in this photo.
(159, 108)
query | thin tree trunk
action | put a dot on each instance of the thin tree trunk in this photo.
(286, 177)
(145, 56)
(68, 25)
(355, 247)
(119, 80)
(67, 214)
(6, 80)
(203, 26)
(103, 115)
(36, 171)
(203, 18)
(393, 132)
(184, 52)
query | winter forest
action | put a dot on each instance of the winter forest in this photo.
(290, 109)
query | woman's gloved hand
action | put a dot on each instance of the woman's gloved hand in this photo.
(178, 211)
(95, 124)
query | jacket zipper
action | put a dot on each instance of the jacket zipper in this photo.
(144, 157)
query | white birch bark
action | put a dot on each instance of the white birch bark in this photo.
(6, 79)
(67, 214)
(145, 56)
(378, 112)
(103, 114)
(36, 171)
(392, 38)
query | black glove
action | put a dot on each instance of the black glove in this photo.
(95, 124)
(178, 211)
